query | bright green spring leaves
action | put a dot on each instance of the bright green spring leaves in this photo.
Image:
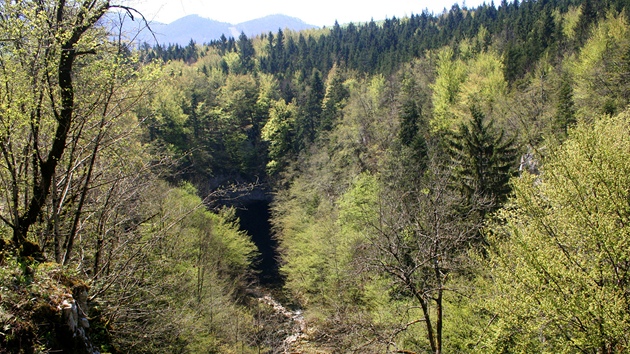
(278, 131)
(460, 84)
(601, 69)
(560, 259)
(196, 261)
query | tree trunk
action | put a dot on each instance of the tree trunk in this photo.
(427, 316)
(42, 178)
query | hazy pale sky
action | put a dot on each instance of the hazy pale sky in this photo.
(314, 12)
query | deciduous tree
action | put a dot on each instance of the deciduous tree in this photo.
(60, 82)
(559, 254)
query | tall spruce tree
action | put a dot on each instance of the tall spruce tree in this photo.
(484, 161)
(587, 18)
(565, 110)
(246, 53)
(408, 122)
(410, 134)
(311, 112)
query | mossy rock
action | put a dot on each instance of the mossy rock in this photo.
(31, 319)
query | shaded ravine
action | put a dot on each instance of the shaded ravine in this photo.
(255, 220)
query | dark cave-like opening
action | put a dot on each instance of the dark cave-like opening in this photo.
(255, 220)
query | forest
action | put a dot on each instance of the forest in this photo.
(440, 183)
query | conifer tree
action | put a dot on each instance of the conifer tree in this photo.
(279, 62)
(246, 52)
(311, 112)
(408, 122)
(410, 134)
(484, 161)
(565, 113)
(587, 18)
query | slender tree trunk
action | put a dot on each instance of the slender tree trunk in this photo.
(438, 324)
(55, 222)
(438, 301)
(427, 316)
(84, 192)
(42, 178)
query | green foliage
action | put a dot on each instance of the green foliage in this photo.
(195, 264)
(600, 69)
(450, 75)
(211, 121)
(316, 253)
(588, 15)
(246, 54)
(459, 85)
(279, 131)
(570, 21)
(530, 112)
(354, 124)
(171, 121)
(565, 111)
(308, 122)
(559, 255)
(334, 101)
(409, 118)
(484, 85)
(484, 161)
(356, 206)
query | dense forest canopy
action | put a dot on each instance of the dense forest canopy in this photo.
(452, 182)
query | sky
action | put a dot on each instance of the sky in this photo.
(314, 12)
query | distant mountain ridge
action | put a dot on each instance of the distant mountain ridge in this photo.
(200, 29)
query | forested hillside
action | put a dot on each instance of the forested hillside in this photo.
(440, 183)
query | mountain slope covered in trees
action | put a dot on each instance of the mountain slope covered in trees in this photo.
(441, 183)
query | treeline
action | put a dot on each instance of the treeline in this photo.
(525, 29)
(306, 71)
